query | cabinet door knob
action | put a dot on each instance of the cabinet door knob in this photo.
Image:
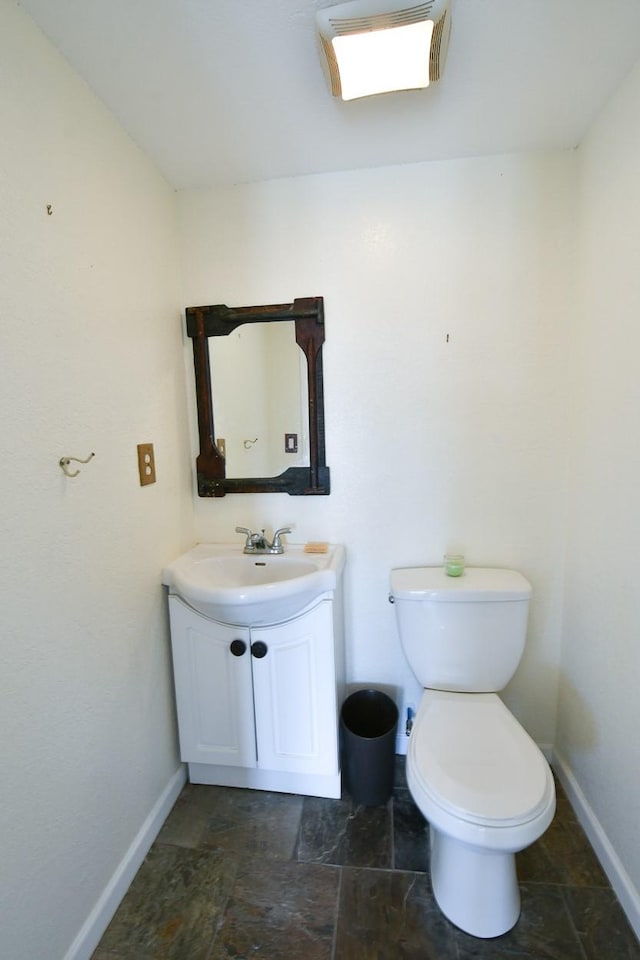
(237, 647)
(259, 649)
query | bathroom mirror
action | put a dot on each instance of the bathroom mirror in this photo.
(259, 397)
(259, 384)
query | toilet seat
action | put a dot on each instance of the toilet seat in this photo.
(474, 771)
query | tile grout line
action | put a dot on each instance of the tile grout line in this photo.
(572, 921)
(393, 831)
(336, 920)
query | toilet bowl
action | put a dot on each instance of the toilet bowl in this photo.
(481, 782)
(487, 792)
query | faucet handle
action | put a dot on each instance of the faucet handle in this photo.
(247, 533)
(276, 537)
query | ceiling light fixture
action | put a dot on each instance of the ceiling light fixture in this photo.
(378, 46)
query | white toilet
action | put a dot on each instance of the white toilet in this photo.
(476, 775)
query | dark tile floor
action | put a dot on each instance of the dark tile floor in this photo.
(236, 874)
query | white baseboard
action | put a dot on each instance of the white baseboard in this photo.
(100, 917)
(620, 880)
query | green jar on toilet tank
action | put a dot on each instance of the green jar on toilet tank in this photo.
(453, 564)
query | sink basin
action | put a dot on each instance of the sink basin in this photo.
(246, 571)
(221, 582)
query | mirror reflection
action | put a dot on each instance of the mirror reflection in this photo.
(260, 399)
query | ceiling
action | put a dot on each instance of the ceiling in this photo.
(229, 91)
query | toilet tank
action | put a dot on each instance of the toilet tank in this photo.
(465, 633)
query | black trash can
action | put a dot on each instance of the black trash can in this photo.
(368, 722)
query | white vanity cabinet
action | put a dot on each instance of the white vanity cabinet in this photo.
(258, 706)
(214, 696)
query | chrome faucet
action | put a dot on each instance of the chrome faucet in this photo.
(258, 543)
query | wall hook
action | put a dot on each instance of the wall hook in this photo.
(65, 461)
(249, 443)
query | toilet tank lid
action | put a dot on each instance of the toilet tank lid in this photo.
(476, 583)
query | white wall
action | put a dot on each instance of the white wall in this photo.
(90, 360)
(599, 714)
(431, 444)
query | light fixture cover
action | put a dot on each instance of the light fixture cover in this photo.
(377, 46)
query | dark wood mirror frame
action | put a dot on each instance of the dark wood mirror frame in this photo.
(219, 321)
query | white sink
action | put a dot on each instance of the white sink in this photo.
(221, 582)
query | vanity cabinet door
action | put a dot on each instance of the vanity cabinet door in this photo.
(212, 674)
(295, 694)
